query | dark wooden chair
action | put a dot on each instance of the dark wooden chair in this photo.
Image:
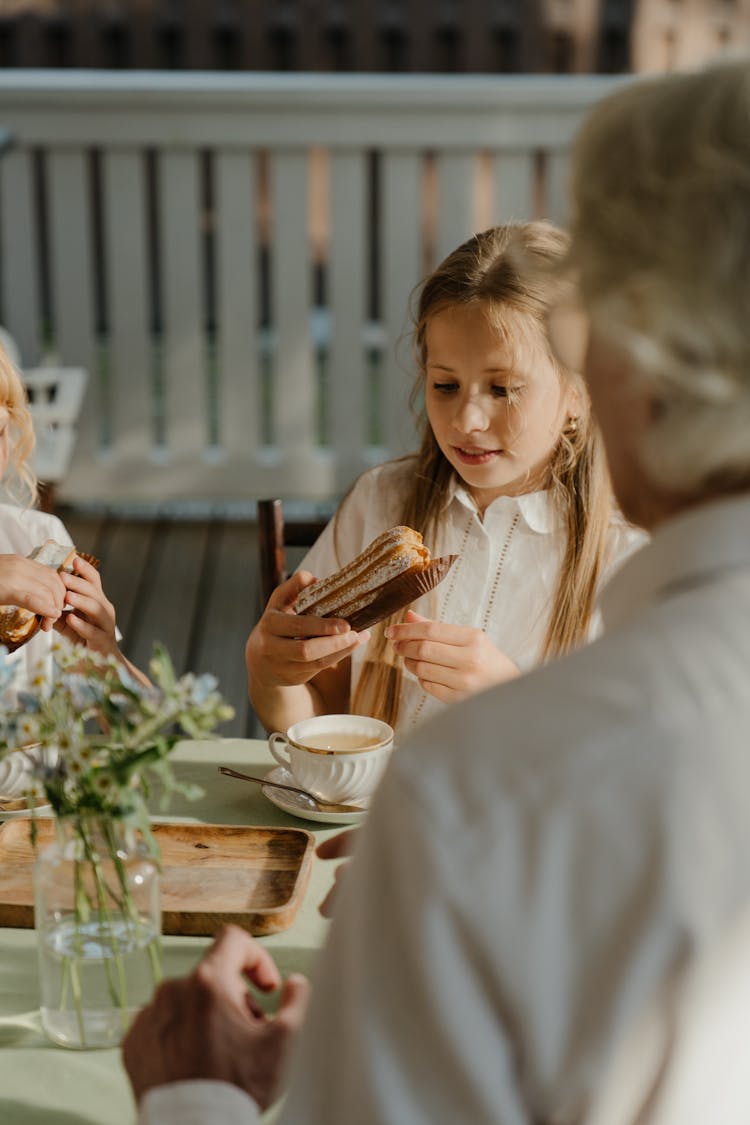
(275, 535)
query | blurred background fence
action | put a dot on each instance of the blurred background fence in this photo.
(460, 36)
(231, 256)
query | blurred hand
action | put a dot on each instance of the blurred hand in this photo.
(27, 583)
(208, 1026)
(451, 662)
(336, 848)
(285, 649)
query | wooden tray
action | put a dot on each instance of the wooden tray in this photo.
(211, 874)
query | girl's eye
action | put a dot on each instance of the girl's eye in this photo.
(444, 388)
(500, 391)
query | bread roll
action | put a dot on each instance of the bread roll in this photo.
(392, 572)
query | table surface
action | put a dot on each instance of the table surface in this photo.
(41, 1084)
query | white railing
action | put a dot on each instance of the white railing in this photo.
(169, 232)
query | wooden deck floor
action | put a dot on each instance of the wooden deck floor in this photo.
(191, 584)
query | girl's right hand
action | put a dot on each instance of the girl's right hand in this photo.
(286, 649)
(32, 586)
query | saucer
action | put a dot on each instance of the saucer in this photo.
(40, 810)
(298, 805)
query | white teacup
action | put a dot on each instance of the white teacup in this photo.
(336, 757)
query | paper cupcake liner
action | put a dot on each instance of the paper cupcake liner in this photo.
(13, 646)
(13, 620)
(400, 592)
(92, 560)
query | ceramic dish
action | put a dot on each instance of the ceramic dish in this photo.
(40, 810)
(298, 805)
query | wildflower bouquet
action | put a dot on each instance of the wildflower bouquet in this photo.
(95, 741)
(95, 737)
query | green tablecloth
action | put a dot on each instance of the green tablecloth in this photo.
(47, 1085)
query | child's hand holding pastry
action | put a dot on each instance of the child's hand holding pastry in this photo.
(90, 619)
(33, 586)
(286, 649)
(450, 661)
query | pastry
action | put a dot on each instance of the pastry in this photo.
(18, 625)
(392, 572)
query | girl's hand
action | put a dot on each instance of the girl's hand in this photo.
(33, 586)
(287, 649)
(91, 618)
(336, 848)
(451, 662)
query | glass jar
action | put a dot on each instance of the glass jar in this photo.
(98, 923)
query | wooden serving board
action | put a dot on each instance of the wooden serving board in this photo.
(211, 874)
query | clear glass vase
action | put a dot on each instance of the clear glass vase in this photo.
(98, 923)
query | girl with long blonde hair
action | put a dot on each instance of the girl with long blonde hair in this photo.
(510, 475)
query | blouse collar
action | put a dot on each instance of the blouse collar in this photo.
(537, 509)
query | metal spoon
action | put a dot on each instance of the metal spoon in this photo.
(317, 802)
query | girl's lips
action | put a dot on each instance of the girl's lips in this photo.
(476, 456)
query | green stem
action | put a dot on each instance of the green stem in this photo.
(71, 963)
(106, 922)
(105, 898)
(132, 911)
(62, 1002)
(125, 903)
(154, 956)
(75, 984)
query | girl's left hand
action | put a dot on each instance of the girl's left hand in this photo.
(451, 662)
(336, 848)
(91, 618)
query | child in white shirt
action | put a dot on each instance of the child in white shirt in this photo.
(510, 476)
(74, 605)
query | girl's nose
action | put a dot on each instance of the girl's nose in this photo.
(470, 416)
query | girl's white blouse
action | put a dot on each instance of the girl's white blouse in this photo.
(502, 582)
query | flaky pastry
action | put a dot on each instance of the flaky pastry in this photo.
(393, 571)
